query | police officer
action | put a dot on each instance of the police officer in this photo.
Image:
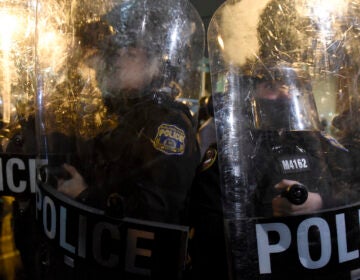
(144, 166)
(141, 57)
(147, 162)
(290, 150)
(287, 146)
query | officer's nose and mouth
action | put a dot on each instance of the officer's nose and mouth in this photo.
(123, 74)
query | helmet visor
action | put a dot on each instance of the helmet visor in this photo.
(282, 99)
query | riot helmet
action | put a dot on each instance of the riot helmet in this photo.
(136, 49)
(281, 98)
(269, 59)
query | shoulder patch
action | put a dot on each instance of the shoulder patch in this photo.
(169, 140)
(209, 158)
(333, 141)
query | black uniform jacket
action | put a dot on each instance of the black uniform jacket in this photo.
(312, 158)
(207, 247)
(144, 167)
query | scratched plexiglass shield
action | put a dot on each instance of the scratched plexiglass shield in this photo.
(117, 97)
(17, 92)
(286, 101)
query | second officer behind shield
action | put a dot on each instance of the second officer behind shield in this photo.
(297, 168)
(286, 150)
(142, 168)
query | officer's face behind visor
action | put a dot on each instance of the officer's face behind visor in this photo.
(123, 73)
(282, 105)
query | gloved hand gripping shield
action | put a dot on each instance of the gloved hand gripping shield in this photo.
(281, 71)
(118, 88)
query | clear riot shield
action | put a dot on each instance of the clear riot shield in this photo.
(17, 93)
(118, 86)
(286, 101)
(17, 131)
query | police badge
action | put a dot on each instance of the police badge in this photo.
(169, 140)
